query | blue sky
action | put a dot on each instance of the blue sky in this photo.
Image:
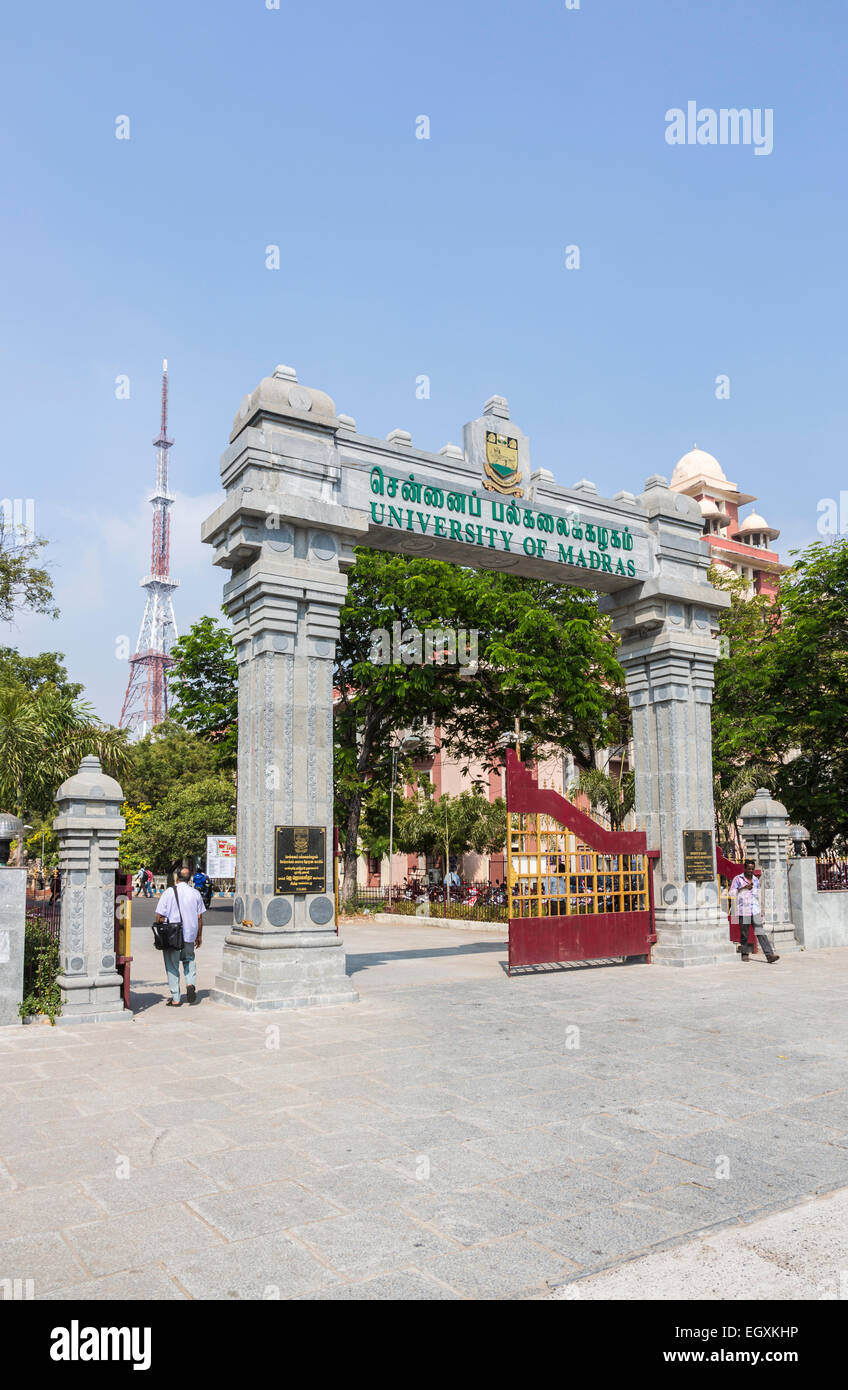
(401, 257)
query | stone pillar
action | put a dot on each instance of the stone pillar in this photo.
(283, 951)
(668, 651)
(764, 823)
(12, 929)
(88, 828)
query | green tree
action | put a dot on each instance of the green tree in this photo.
(203, 684)
(547, 658)
(745, 713)
(163, 761)
(376, 698)
(48, 668)
(809, 669)
(24, 584)
(44, 735)
(450, 826)
(781, 695)
(730, 796)
(614, 796)
(176, 829)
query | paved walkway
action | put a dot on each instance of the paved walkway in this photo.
(794, 1255)
(456, 1134)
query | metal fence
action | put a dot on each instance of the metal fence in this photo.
(832, 875)
(41, 908)
(481, 901)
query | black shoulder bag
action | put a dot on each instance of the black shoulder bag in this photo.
(169, 935)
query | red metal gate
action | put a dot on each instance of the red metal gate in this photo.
(123, 919)
(576, 890)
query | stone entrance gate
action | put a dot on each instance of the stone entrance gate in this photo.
(303, 488)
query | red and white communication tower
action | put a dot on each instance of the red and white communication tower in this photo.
(146, 700)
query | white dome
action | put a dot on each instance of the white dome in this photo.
(697, 464)
(754, 522)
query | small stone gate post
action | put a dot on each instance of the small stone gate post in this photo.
(12, 925)
(88, 827)
(764, 823)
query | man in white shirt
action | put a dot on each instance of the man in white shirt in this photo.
(188, 908)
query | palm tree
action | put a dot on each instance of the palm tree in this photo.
(730, 799)
(615, 797)
(44, 735)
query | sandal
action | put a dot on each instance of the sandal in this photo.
(174, 1003)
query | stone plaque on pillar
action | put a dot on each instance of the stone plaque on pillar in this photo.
(300, 859)
(699, 865)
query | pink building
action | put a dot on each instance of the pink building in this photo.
(742, 546)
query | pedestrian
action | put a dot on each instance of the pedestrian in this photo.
(148, 883)
(203, 884)
(182, 904)
(746, 910)
(139, 880)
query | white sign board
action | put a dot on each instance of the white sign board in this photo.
(221, 856)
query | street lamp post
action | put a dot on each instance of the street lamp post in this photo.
(406, 745)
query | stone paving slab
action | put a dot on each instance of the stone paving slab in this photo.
(444, 1138)
(796, 1254)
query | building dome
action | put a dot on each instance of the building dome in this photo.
(711, 511)
(754, 524)
(697, 464)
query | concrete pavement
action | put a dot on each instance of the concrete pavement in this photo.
(456, 1134)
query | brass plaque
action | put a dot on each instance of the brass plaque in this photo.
(300, 859)
(698, 856)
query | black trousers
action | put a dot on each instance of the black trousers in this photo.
(745, 926)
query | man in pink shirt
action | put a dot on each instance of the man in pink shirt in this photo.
(746, 910)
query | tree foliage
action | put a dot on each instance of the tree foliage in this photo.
(548, 660)
(781, 697)
(614, 796)
(24, 584)
(375, 699)
(546, 657)
(203, 684)
(163, 761)
(447, 826)
(44, 735)
(176, 829)
(35, 672)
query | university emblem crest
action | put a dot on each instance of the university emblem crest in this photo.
(502, 469)
(301, 841)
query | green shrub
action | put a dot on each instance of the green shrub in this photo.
(41, 966)
(470, 912)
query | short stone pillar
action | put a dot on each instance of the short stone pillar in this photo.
(12, 929)
(88, 827)
(764, 823)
